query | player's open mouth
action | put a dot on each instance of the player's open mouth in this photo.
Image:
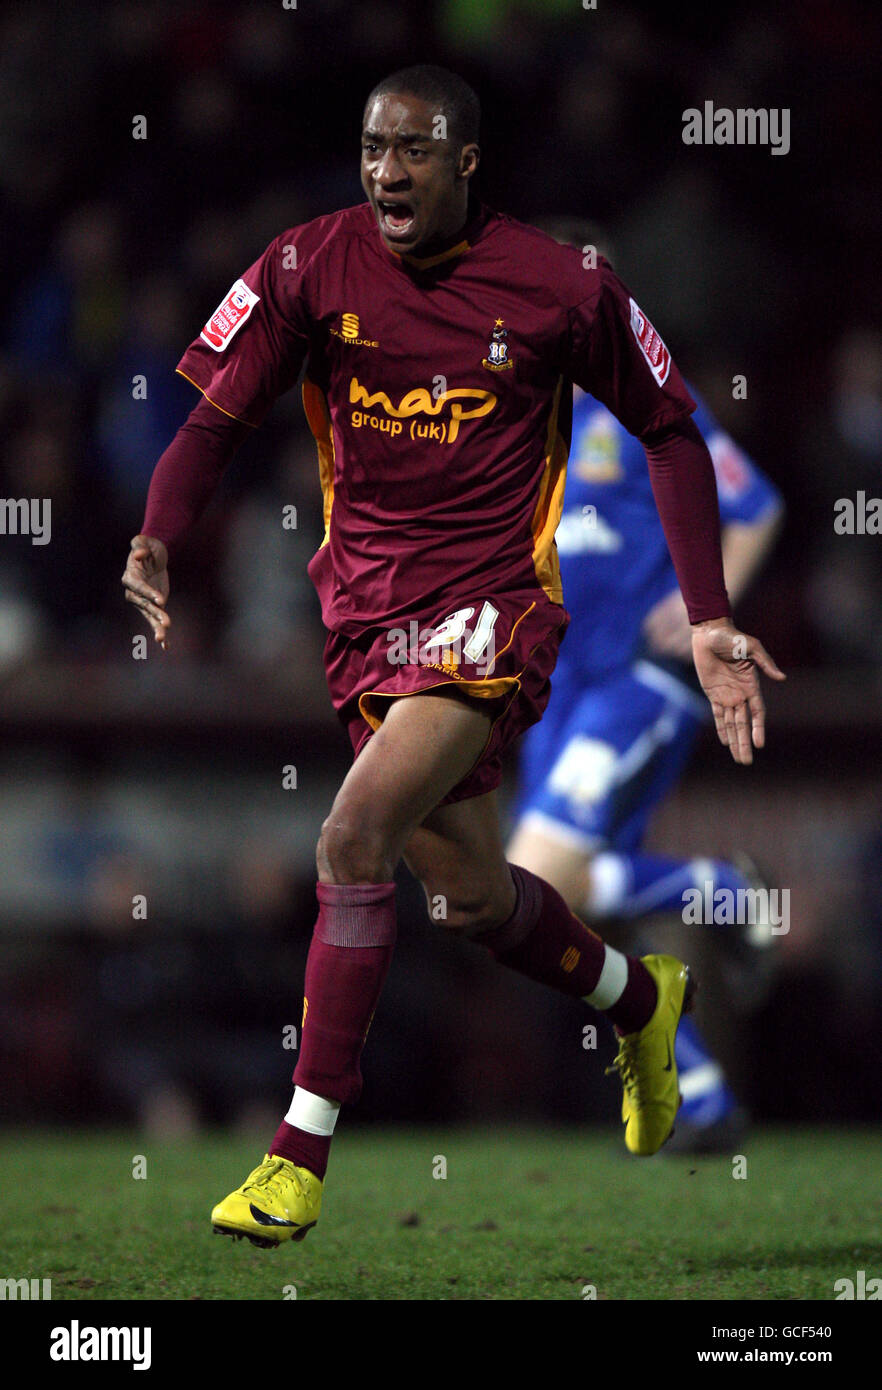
(396, 219)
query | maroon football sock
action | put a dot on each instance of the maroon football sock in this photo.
(348, 961)
(306, 1150)
(545, 941)
(637, 1002)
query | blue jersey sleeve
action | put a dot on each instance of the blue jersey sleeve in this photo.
(745, 493)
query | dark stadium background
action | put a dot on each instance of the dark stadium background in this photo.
(163, 777)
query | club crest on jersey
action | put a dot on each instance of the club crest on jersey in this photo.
(229, 316)
(650, 344)
(497, 359)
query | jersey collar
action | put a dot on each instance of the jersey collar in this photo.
(459, 245)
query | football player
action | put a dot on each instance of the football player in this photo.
(626, 709)
(438, 341)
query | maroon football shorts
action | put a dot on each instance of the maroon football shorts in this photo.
(500, 649)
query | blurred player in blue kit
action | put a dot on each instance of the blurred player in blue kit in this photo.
(626, 709)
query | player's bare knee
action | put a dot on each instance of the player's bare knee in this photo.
(350, 851)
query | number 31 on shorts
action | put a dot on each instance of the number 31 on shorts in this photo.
(454, 628)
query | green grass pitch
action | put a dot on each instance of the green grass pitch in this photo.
(521, 1214)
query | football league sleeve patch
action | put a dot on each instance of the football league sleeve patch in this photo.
(618, 356)
(229, 316)
(252, 348)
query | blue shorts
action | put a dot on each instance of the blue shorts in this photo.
(595, 768)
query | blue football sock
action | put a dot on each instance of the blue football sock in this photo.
(690, 1049)
(631, 885)
(706, 1097)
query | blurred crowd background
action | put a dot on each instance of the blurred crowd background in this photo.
(164, 777)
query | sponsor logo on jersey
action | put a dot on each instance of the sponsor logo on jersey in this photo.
(229, 316)
(419, 401)
(349, 332)
(650, 344)
(497, 359)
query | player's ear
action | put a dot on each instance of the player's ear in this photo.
(469, 159)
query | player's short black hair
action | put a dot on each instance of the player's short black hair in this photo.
(443, 88)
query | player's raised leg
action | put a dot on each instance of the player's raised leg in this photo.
(456, 852)
(710, 1112)
(592, 773)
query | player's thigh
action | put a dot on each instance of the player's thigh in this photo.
(458, 856)
(426, 744)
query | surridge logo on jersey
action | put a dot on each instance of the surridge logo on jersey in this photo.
(497, 359)
(650, 344)
(349, 332)
(419, 401)
(229, 316)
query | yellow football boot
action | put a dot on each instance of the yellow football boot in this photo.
(276, 1202)
(645, 1060)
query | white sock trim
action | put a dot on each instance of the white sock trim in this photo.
(701, 1080)
(609, 884)
(613, 978)
(312, 1113)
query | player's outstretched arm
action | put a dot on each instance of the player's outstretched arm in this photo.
(183, 482)
(726, 661)
(745, 545)
(145, 581)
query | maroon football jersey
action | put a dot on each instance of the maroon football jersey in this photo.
(438, 393)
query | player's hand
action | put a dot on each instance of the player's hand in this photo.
(146, 584)
(726, 661)
(667, 629)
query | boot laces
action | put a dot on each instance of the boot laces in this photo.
(627, 1064)
(270, 1176)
